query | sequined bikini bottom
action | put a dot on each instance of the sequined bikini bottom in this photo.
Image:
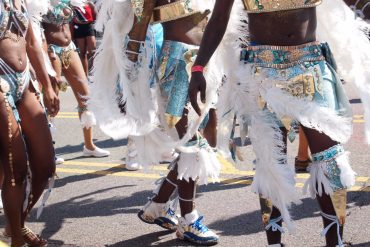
(64, 53)
(304, 71)
(12, 85)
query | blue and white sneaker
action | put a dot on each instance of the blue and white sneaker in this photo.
(191, 228)
(160, 214)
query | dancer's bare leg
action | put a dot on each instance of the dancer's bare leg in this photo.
(39, 144)
(319, 142)
(76, 77)
(12, 196)
(81, 44)
(303, 146)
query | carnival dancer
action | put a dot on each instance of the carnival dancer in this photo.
(286, 75)
(36, 10)
(65, 59)
(27, 141)
(84, 33)
(148, 117)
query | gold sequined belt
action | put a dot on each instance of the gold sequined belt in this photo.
(281, 57)
(172, 11)
(260, 6)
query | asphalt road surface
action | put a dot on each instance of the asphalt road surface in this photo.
(95, 201)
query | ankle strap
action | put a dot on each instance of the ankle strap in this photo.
(186, 200)
(335, 221)
(273, 224)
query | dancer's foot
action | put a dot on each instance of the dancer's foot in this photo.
(191, 228)
(132, 163)
(97, 152)
(160, 214)
(32, 239)
(59, 160)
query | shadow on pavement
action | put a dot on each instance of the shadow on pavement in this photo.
(251, 222)
(81, 177)
(367, 244)
(81, 206)
(152, 239)
(109, 143)
(77, 207)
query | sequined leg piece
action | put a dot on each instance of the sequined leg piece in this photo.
(330, 170)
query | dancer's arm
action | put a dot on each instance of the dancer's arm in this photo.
(34, 53)
(139, 29)
(212, 37)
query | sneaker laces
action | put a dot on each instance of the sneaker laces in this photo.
(199, 226)
(171, 212)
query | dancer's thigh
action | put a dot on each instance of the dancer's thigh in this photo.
(37, 133)
(76, 77)
(17, 146)
(317, 141)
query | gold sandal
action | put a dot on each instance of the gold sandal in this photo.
(32, 239)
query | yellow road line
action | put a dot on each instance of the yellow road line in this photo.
(229, 170)
(226, 181)
(359, 121)
(68, 113)
(358, 116)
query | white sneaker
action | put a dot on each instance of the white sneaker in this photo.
(191, 228)
(160, 214)
(97, 152)
(132, 163)
(59, 160)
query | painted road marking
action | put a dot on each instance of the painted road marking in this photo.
(245, 177)
(227, 181)
(67, 115)
(230, 170)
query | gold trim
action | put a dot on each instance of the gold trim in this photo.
(281, 47)
(261, 6)
(171, 12)
(171, 120)
(266, 210)
(339, 200)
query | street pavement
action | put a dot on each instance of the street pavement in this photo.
(95, 201)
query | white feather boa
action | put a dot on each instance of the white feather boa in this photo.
(337, 26)
(111, 65)
(36, 9)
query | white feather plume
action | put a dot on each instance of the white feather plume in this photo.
(37, 8)
(110, 71)
(337, 26)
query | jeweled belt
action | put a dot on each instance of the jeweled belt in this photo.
(282, 57)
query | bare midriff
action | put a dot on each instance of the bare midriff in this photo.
(13, 54)
(283, 28)
(57, 35)
(187, 30)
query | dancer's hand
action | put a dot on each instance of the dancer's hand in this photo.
(51, 102)
(197, 84)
